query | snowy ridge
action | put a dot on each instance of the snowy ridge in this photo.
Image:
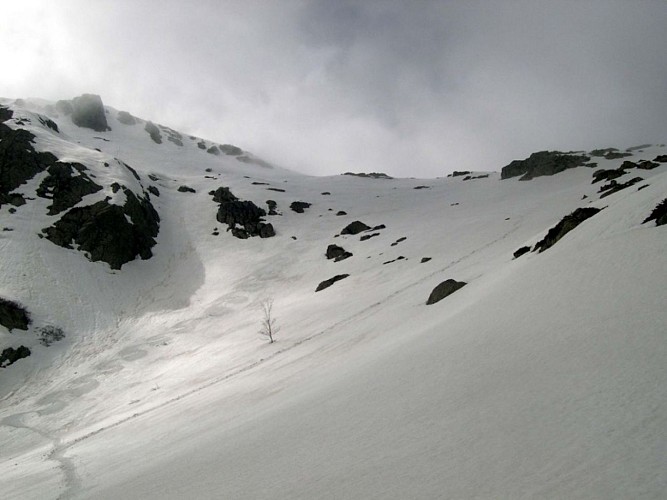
(542, 377)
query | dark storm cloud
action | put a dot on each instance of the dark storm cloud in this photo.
(410, 88)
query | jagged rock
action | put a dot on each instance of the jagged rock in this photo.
(444, 289)
(368, 236)
(103, 230)
(647, 165)
(66, 185)
(400, 240)
(371, 175)
(659, 214)
(608, 174)
(153, 190)
(88, 112)
(602, 152)
(459, 173)
(272, 207)
(223, 195)
(424, 260)
(13, 315)
(473, 177)
(154, 132)
(126, 118)
(614, 187)
(661, 159)
(337, 253)
(244, 214)
(542, 163)
(185, 189)
(355, 228)
(518, 253)
(299, 206)
(566, 224)
(327, 283)
(614, 155)
(11, 355)
(48, 123)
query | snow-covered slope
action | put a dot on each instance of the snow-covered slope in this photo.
(543, 377)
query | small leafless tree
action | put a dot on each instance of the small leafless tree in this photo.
(268, 325)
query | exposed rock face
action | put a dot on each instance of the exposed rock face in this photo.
(614, 186)
(337, 253)
(126, 118)
(66, 185)
(243, 218)
(213, 150)
(103, 230)
(230, 150)
(444, 289)
(607, 174)
(327, 283)
(659, 214)
(154, 132)
(355, 227)
(88, 112)
(64, 107)
(13, 315)
(542, 163)
(567, 224)
(371, 175)
(11, 355)
(299, 206)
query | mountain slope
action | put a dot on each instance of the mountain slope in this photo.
(541, 377)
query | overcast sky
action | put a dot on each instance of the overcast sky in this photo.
(411, 88)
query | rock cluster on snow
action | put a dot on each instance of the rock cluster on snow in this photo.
(10, 355)
(327, 283)
(13, 315)
(243, 218)
(443, 290)
(543, 163)
(659, 214)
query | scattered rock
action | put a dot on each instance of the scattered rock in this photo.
(243, 218)
(368, 236)
(471, 177)
(50, 334)
(459, 173)
(659, 214)
(185, 189)
(355, 227)
(337, 253)
(88, 112)
(340, 213)
(661, 159)
(327, 283)
(372, 175)
(201, 145)
(378, 228)
(10, 355)
(637, 148)
(230, 150)
(614, 186)
(614, 155)
(444, 289)
(424, 260)
(223, 195)
(326, 193)
(422, 187)
(276, 189)
(542, 163)
(403, 238)
(400, 257)
(608, 174)
(299, 206)
(13, 315)
(154, 191)
(567, 224)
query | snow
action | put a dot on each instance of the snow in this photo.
(544, 377)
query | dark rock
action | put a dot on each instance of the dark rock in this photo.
(472, 177)
(276, 189)
(566, 224)
(103, 230)
(424, 259)
(266, 231)
(272, 207)
(372, 175)
(213, 150)
(355, 227)
(327, 283)
(185, 189)
(518, 253)
(659, 214)
(247, 216)
(126, 118)
(422, 187)
(326, 193)
(50, 124)
(400, 257)
(378, 228)
(459, 173)
(337, 253)
(661, 159)
(637, 148)
(600, 175)
(154, 132)
(66, 185)
(153, 190)
(444, 289)
(230, 150)
(88, 112)
(614, 187)
(403, 238)
(368, 236)
(340, 213)
(542, 163)
(259, 183)
(602, 152)
(223, 195)
(299, 206)
(11, 355)
(13, 315)
(201, 145)
(647, 165)
(613, 155)
(175, 140)
(50, 334)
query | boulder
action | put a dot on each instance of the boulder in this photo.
(88, 112)
(186, 189)
(518, 253)
(299, 206)
(13, 315)
(11, 355)
(355, 227)
(444, 289)
(337, 253)
(223, 195)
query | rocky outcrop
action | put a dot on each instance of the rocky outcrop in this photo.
(371, 175)
(355, 227)
(186, 189)
(614, 186)
(110, 233)
(88, 112)
(337, 253)
(230, 150)
(13, 315)
(659, 214)
(443, 290)
(126, 118)
(327, 283)
(542, 163)
(66, 185)
(521, 251)
(154, 132)
(243, 218)
(10, 355)
(567, 224)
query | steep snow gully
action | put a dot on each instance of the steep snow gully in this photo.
(543, 377)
